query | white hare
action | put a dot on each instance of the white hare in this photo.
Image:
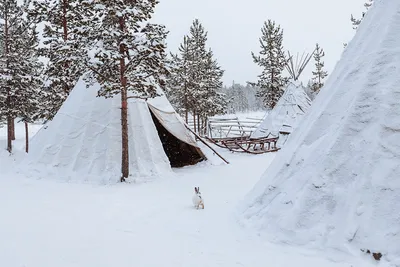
(197, 199)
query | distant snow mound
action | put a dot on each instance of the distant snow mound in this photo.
(286, 115)
(336, 185)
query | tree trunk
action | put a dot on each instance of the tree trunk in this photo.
(319, 79)
(198, 124)
(194, 121)
(13, 129)
(124, 110)
(203, 125)
(64, 20)
(26, 138)
(65, 35)
(206, 126)
(9, 134)
(6, 50)
(186, 104)
(124, 129)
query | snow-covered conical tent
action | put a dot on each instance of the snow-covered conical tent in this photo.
(286, 114)
(337, 182)
(83, 141)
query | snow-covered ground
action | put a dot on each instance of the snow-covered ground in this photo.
(44, 223)
(7, 161)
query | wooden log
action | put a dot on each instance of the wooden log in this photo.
(201, 140)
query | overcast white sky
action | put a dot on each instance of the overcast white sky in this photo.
(234, 27)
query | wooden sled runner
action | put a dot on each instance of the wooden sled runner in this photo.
(247, 144)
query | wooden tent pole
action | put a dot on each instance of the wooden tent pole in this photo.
(198, 136)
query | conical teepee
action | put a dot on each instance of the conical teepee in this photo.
(83, 141)
(286, 115)
(292, 105)
(337, 183)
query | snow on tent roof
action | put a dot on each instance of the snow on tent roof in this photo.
(83, 141)
(336, 185)
(287, 113)
(161, 102)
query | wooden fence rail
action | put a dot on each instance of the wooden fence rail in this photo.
(228, 127)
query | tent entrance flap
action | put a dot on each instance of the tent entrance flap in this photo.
(179, 153)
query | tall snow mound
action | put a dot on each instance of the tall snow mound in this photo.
(286, 114)
(336, 183)
(83, 141)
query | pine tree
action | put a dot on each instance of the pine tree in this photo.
(242, 98)
(126, 53)
(196, 78)
(319, 74)
(198, 54)
(2, 49)
(30, 99)
(179, 82)
(208, 98)
(356, 22)
(272, 59)
(19, 66)
(309, 89)
(213, 101)
(63, 20)
(255, 103)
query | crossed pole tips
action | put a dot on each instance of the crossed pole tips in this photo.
(295, 69)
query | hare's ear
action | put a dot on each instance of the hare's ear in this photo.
(195, 189)
(198, 189)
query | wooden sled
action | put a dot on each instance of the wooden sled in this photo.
(247, 144)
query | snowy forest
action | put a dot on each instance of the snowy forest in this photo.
(46, 46)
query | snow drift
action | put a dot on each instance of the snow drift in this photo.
(336, 183)
(83, 141)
